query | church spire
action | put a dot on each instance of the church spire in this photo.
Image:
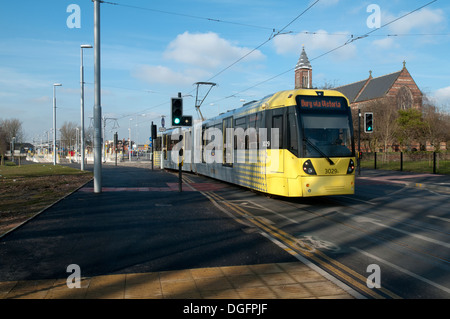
(303, 62)
(303, 72)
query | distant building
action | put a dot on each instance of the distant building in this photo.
(399, 86)
(303, 72)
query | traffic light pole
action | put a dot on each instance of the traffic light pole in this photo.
(116, 142)
(359, 141)
(154, 137)
(180, 164)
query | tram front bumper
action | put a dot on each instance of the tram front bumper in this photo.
(328, 185)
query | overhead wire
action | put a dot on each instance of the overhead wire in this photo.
(351, 40)
(270, 38)
(188, 15)
(275, 33)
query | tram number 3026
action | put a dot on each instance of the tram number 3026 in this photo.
(331, 171)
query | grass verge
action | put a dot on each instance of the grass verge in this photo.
(27, 189)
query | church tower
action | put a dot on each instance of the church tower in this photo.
(303, 72)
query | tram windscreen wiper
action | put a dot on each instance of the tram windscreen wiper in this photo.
(318, 150)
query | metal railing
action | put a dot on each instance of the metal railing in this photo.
(422, 162)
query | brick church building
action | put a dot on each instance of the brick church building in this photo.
(400, 86)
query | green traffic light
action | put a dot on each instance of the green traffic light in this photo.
(177, 120)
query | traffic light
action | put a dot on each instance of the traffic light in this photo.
(368, 122)
(154, 132)
(116, 140)
(177, 111)
(186, 120)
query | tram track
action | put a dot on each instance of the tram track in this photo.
(299, 248)
(415, 239)
(370, 233)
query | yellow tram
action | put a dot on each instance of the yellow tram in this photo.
(293, 143)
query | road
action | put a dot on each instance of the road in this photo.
(396, 236)
(388, 234)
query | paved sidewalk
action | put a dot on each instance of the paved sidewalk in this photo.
(263, 281)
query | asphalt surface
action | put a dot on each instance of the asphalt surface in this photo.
(118, 232)
(140, 223)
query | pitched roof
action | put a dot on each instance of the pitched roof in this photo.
(378, 87)
(371, 88)
(351, 90)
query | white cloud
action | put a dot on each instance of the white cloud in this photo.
(43, 100)
(424, 20)
(442, 96)
(200, 52)
(164, 75)
(206, 50)
(386, 43)
(316, 43)
(16, 80)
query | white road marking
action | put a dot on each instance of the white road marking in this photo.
(363, 219)
(447, 290)
(440, 218)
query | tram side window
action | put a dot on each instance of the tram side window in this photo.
(254, 124)
(292, 130)
(209, 138)
(203, 143)
(277, 123)
(239, 143)
(240, 125)
(227, 146)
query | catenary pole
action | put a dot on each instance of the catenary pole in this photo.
(97, 102)
(82, 138)
(54, 121)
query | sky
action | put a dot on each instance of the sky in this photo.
(151, 50)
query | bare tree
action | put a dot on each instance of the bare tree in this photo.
(385, 125)
(68, 133)
(327, 85)
(12, 128)
(3, 143)
(436, 126)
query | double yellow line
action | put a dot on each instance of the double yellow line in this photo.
(296, 246)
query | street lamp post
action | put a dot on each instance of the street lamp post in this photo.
(97, 102)
(54, 121)
(83, 46)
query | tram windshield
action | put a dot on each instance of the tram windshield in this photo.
(327, 135)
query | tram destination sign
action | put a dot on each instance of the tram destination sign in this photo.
(321, 103)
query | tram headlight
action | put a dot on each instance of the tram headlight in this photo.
(308, 168)
(351, 167)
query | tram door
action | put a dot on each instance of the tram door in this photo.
(276, 128)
